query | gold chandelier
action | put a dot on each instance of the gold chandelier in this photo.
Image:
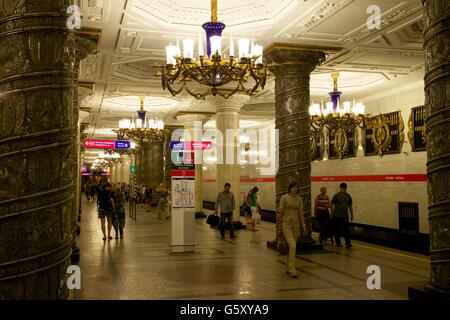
(222, 76)
(141, 128)
(334, 116)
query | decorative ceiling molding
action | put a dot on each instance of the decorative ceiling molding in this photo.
(236, 12)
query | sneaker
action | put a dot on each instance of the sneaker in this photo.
(121, 236)
(117, 237)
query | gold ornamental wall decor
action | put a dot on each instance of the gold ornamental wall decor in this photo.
(342, 143)
(417, 130)
(381, 135)
(384, 134)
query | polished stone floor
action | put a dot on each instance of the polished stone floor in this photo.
(139, 266)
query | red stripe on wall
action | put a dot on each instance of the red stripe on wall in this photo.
(373, 178)
(362, 178)
(258, 180)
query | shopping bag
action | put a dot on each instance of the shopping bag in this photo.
(258, 218)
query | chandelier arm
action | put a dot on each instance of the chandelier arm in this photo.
(176, 92)
(198, 95)
(172, 79)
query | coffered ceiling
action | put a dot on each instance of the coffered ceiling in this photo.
(135, 33)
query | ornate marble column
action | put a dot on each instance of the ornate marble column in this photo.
(37, 175)
(167, 158)
(113, 173)
(227, 117)
(138, 162)
(125, 175)
(188, 119)
(437, 103)
(293, 67)
(86, 42)
(118, 165)
(153, 163)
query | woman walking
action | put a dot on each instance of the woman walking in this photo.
(105, 206)
(291, 215)
(118, 220)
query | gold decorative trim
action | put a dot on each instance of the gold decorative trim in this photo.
(95, 33)
(401, 131)
(87, 84)
(192, 113)
(341, 143)
(297, 47)
(411, 129)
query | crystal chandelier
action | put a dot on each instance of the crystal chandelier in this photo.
(141, 128)
(223, 76)
(335, 116)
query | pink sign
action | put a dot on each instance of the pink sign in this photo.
(99, 144)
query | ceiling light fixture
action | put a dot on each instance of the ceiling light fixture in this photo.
(211, 68)
(141, 128)
(333, 116)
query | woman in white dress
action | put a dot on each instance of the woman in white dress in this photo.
(292, 217)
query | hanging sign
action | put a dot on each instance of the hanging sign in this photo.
(106, 144)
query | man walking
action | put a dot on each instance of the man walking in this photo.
(341, 204)
(225, 200)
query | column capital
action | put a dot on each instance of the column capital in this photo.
(292, 58)
(188, 118)
(86, 42)
(232, 104)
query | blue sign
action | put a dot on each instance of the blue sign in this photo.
(177, 145)
(122, 144)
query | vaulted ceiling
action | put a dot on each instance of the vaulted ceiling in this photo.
(135, 33)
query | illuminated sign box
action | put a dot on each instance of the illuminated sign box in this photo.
(190, 145)
(107, 144)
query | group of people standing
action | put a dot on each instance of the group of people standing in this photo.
(111, 208)
(334, 215)
(331, 216)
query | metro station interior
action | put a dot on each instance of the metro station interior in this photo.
(155, 105)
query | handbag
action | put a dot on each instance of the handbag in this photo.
(282, 245)
(213, 220)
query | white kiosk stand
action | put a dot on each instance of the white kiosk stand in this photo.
(183, 210)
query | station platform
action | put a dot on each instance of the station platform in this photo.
(141, 267)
